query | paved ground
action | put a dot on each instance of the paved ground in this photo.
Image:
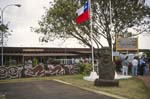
(46, 90)
(146, 79)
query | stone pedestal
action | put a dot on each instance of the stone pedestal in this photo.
(106, 83)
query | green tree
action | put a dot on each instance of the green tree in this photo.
(5, 30)
(59, 20)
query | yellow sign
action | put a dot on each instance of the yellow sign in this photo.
(126, 44)
(33, 50)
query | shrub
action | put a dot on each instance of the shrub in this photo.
(35, 62)
(84, 68)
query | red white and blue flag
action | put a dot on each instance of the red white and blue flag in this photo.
(83, 13)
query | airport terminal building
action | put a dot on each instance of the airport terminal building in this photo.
(64, 55)
(42, 54)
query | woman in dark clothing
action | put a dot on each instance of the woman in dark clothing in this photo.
(142, 66)
(149, 64)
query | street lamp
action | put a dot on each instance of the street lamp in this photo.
(2, 23)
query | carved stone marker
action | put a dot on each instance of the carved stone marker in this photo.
(106, 69)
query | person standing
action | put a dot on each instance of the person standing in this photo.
(143, 65)
(125, 64)
(134, 66)
(149, 63)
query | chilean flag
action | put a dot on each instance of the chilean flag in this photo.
(83, 13)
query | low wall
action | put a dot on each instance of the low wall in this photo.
(38, 70)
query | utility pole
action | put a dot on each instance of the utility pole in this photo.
(3, 31)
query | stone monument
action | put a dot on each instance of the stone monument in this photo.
(106, 69)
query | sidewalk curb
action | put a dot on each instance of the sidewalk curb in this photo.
(91, 90)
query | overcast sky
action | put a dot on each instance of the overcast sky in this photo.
(21, 19)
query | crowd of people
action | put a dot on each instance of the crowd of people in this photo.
(137, 66)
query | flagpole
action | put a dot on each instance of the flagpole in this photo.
(111, 30)
(91, 34)
(93, 74)
(112, 46)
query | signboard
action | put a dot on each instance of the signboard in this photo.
(33, 50)
(127, 44)
(115, 53)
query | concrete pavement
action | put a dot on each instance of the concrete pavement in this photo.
(46, 90)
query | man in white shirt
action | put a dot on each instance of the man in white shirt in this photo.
(134, 66)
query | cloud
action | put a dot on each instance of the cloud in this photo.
(21, 19)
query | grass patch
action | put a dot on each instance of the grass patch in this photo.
(131, 88)
(148, 92)
(25, 79)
